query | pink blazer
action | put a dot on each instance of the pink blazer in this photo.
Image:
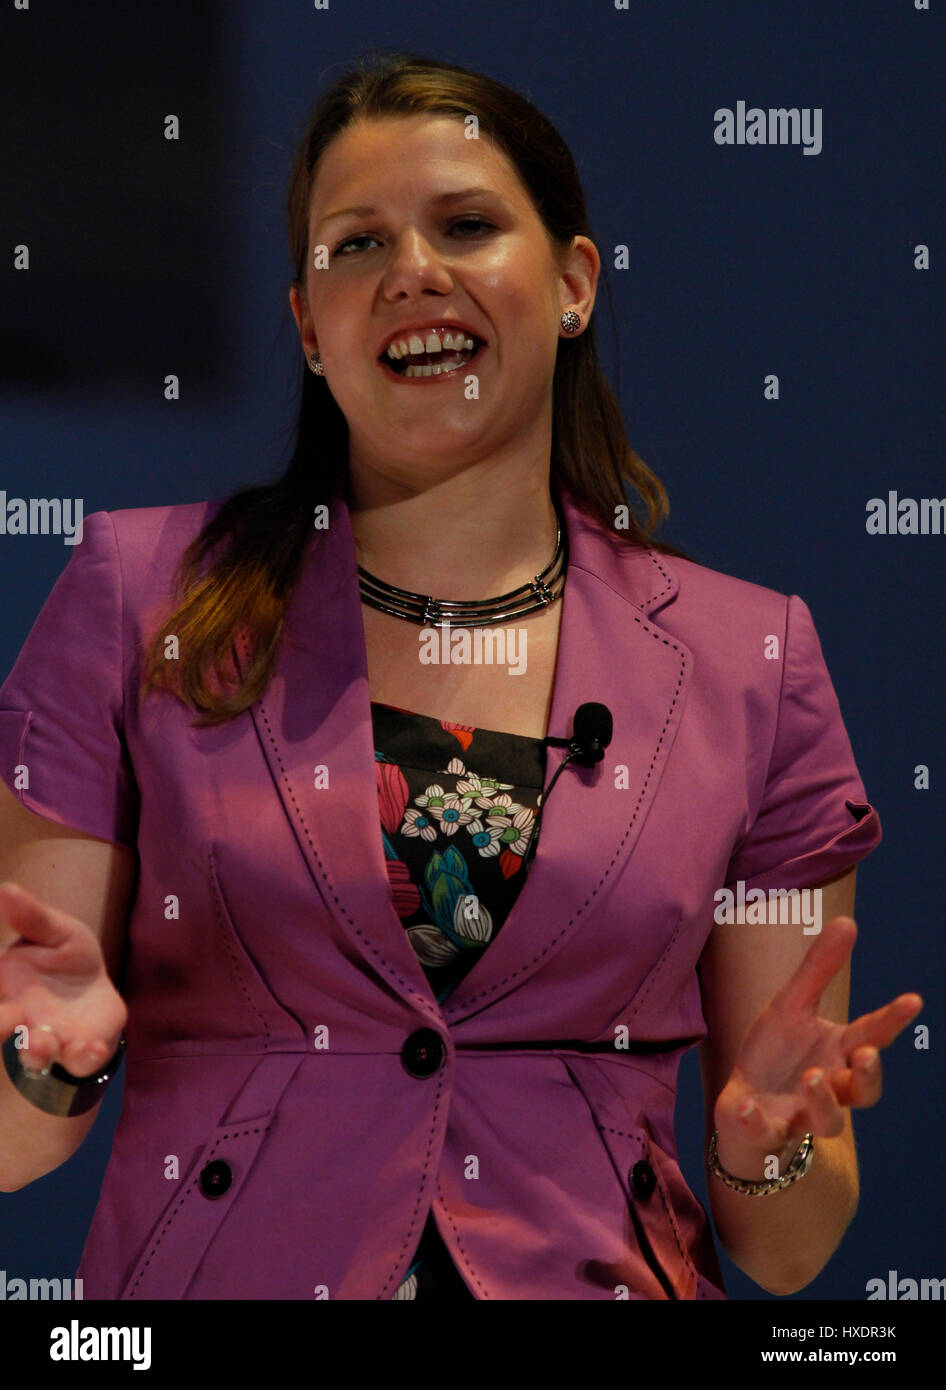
(295, 1100)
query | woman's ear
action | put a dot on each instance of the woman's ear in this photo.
(580, 268)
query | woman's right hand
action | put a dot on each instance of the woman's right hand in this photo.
(53, 980)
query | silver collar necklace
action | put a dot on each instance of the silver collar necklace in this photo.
(540, 592)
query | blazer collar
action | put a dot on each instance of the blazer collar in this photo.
(316, 713)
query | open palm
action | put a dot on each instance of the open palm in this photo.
(795, 1071)
(53, 982)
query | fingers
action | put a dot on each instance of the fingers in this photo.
(878, 1029)
(40, 1043)
(823, 959)
(79, 1056)
(743, 1120)
(28, 917)
(42, 1050)
(862, 1083)
(824, 1115)
(859, 1085)
(83, 1057)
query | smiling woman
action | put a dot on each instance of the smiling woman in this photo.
(378, 1029)
(506, 285)
(402, 226)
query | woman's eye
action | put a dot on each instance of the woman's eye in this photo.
(351, 241)
(472, 222)
(460, 222)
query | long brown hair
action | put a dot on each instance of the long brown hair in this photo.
(260, 534)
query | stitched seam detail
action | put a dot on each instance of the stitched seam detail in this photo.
(485, 993)
(652, 555)
(645, 989)
(410, 1238)
(672, 1222)
(478, 1281)
(191, 1187)
(634, 1138)
(221, 919)
(630, 1066)
(379, 955)
(668, 584)
(668, 1210)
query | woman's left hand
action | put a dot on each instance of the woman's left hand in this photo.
(795, 1071)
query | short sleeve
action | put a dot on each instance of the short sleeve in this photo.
(814, 820)
(62, 746)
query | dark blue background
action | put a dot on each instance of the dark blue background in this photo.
(150, 257)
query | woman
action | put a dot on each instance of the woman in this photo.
(362, 1065)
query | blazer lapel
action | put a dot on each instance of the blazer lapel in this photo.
(608, 652)
(314, 723)
(316, 715)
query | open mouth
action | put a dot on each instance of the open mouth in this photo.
(431, 366)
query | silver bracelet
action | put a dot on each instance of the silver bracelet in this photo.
(56, 1090)
(797, 1168)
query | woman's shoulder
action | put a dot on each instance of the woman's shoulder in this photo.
(149, 534)
(737, 629)
(659, 581)
(136, 550)
(150, 528)
(727, 620)
(684, 591)
(698, 583)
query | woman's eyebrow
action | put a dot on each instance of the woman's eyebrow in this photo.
(438, 201)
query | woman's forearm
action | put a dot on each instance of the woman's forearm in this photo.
(784, 1239)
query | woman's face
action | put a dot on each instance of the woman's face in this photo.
(443, 232)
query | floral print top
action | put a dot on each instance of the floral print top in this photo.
(457, 805)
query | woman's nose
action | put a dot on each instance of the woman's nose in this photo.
(415, 264)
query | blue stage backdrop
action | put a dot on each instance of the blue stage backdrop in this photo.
(775, 343)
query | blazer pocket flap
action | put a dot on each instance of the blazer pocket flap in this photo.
(654, 1186)
(196, 1210)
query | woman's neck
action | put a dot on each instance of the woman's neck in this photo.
(461, 538)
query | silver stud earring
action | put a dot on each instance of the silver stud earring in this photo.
(315, 362)
(571, 322)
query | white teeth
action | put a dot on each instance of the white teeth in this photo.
(429, 369)
(404, 347)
